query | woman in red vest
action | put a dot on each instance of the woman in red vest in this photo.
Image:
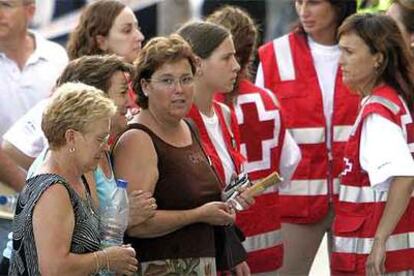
(265, 143)
(217, 70)
(374, 221)
(301, 68)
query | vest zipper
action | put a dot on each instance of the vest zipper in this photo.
(329, 175)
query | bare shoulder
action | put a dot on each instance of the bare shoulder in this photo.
(54, 200)
(133, 141)
(135, 160)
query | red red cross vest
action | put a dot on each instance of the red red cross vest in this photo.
(230, 135)
(261, 139)
(360, 207)
(289, 72)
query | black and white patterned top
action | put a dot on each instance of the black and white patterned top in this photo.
(85, 237)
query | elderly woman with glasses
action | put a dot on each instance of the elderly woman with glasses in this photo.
(55, 230)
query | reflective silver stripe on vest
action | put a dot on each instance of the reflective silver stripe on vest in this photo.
(364, 245)
(361, 194)
(284, 58)
(263, 241)
(309, 135)
(341, 133)
(393, 107)
(336, 185)
(314, 187)
(400, 273)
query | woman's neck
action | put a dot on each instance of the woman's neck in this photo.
(57, 161)
(327, 38)
(367, 88)
(203, 99)
(151, 118)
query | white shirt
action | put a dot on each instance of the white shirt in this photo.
(20, 90)
(26, 134)
(289, 158)
(325, 60)
(384, 152)
(216, 137)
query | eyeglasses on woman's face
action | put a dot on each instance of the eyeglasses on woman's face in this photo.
(171, 82)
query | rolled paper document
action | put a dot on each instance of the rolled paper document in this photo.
(260, 186)
(255, 190)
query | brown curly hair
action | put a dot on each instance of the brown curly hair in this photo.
(96, 19)
(159, 51)
(95, 70)
(243, 30)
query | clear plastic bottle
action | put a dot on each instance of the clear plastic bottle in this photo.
(114, 218)
(8, 203)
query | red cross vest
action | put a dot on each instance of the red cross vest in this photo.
(360, 207)
(262, 135)
(289, 72)
(229, 129)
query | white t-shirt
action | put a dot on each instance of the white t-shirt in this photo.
(26, 134)
(384, 152)
(22, 89)
(325, 60)
(216, 137)
(289, 158)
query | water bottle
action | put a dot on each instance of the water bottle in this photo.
(8, 203)
(114, 218)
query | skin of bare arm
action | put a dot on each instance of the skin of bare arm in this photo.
(53, 235)
(135, 160)
(398, 199)
(17, 156)
(10, 173)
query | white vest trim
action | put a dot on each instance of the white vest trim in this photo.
(284, 58)
(308, 135)
(314, 187)
(341, 133)
(263, 241)
(364, 245)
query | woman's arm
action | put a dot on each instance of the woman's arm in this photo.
(10, 173)
(399, 196)
(53, 224)
(165, 222)
(385, 155)
(135, 160)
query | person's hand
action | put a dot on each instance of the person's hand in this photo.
(121, 259)
(242, 269)
(375, 264)
(216, 213)
(244, 199)
(142, 207)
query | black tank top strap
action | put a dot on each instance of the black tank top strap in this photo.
(86, 184)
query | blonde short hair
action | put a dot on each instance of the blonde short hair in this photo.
(74, 106)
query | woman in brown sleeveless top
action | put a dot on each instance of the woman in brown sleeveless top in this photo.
(159, 153)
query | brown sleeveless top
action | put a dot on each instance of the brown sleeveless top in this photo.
(186, 181)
